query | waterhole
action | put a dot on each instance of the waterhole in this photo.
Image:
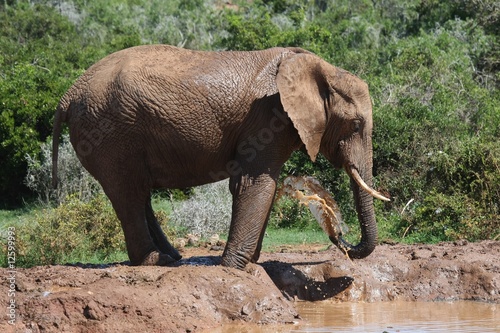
(389, 317)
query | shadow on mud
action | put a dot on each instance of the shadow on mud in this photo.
(198, 261)
(293, 283)
(191, 261)
(318, 285)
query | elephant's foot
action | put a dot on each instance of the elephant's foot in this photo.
(239, 260)
(173, 253)
(156, 258)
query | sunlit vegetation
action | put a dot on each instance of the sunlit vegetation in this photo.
(432, 67)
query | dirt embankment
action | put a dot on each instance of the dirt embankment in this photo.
(197, 294)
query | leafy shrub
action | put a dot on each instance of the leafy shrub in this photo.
(35, 70)
(256, 27)
(75, 231)
(451, 217)
(434, 136)
(471, 167)
(467, 175)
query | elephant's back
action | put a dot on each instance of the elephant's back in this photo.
(164, 73)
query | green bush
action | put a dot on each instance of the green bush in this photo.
(40, 56)
(257, 26)
(451, 217)
(468, 176)
(73, 232)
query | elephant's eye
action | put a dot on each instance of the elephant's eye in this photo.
(356, 126)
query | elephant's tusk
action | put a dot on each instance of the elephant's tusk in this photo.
(354, 173)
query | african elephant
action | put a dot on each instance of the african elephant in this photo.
(158, 116)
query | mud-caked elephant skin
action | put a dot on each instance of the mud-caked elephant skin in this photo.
(158, 116)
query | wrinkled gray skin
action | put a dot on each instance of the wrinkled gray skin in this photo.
(162, 117)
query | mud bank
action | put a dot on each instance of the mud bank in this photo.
(196, 294)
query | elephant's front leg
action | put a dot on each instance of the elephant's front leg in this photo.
(252, 201)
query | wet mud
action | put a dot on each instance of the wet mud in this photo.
(197, 294)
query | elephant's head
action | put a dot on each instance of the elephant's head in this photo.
(332, 112)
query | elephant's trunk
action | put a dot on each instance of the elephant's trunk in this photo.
(363, 198)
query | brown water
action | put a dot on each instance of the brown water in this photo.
(389, 317)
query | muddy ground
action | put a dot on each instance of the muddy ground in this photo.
(196, 294)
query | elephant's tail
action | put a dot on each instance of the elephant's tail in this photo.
(59, 118)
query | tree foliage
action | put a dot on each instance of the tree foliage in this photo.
(432, 67)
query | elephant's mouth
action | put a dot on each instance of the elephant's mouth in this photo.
(353, 172)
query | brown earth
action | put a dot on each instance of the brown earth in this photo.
(196, 294)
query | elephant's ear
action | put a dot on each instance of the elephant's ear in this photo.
(302, 88)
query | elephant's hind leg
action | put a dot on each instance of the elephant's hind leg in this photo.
(131, 212)
(157, 234)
